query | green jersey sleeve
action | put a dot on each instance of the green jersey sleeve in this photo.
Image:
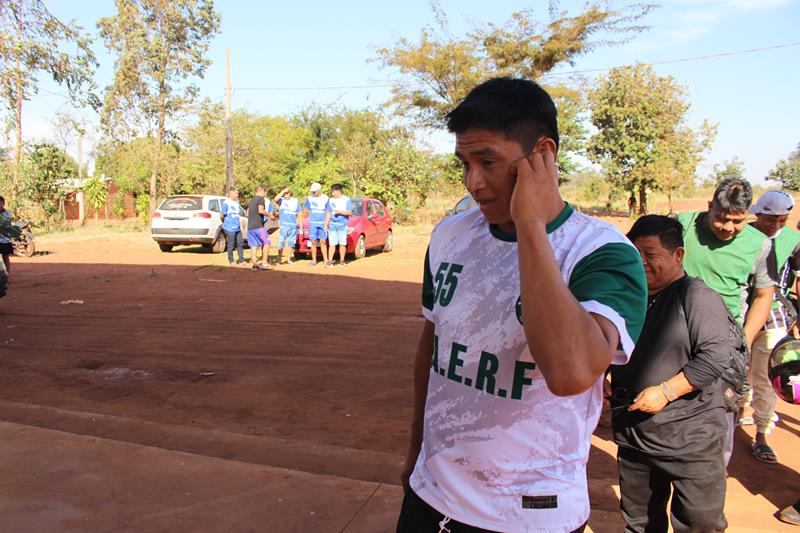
(427, 283)
(613, 276)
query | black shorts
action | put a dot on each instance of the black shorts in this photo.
(6, 248)
(416, 516)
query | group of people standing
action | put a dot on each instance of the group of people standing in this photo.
(327, 225)
(704, 271)
(534, 311)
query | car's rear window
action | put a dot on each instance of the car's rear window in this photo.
(358, 208)
(182, 203)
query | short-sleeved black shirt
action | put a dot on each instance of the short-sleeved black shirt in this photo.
(255, 220)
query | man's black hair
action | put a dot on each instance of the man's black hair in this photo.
(2, 199)
(520, 109)
(336, 187)
(231, 189)
(733, 195)
(668, 230)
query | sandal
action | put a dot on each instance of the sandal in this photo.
(764, 453)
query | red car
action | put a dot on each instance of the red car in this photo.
(369, 227)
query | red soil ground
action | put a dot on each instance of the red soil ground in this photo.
(275, 401)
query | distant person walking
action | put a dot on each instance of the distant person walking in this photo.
(231, 225)
(318, 209)
(668, 413)
(341, 209)
(6, 243)
(258, 211)
(631, 205)
(288, 209)
(772, 211)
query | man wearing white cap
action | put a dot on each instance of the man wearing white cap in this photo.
(783, 264)
(318, 209)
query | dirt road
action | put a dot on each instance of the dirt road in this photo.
(300, 374)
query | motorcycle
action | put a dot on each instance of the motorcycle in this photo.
(24, 245)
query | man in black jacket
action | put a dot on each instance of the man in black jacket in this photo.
(667, 409)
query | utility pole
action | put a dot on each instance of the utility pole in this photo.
(80, 196)
(228, 124)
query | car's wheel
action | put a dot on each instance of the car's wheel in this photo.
(165, 247)
(389, 244)
(220, 244)
(361, 248)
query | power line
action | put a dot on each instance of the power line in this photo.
(321, 88)
(684, 59)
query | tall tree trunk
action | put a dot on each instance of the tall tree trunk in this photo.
(157, 155)
(669, 199)
(642, 199)
(18, 149)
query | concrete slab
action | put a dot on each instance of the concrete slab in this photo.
(57, 481)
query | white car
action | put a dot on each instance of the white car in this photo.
(190, 219)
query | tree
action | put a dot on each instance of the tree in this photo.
(439, 70)
(728, 170)
(48, 168)
(33, 41)
(787, 171)
(642, 140)
(159, 46)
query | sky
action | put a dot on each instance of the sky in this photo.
(287, 56)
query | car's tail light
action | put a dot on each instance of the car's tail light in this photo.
(156, 214)
(202, 214)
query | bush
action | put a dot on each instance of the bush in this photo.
(143, 207)
(118, 208)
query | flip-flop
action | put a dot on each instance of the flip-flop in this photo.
(764, 453)
(745, 421)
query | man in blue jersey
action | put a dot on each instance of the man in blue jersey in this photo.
(318, 210)
(341, 209)
(231, 225)
(289, 208)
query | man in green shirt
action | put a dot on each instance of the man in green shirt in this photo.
(729, 256)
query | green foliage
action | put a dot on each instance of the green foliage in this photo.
(96, 192)
(33, 41)
(787, 171)
(439, 70)
(46, 169)
(118, 206)
(142, 207)
(728, 170)
(354, 148)
(642, 140)
(159, 46)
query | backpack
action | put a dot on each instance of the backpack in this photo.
(735, 387)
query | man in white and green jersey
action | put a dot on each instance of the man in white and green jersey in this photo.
(526, 303)
(729, 256)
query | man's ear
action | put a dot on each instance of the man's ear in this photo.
(546, 144)
(709, 205)
(678, 254)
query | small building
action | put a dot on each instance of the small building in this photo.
(74, 202)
